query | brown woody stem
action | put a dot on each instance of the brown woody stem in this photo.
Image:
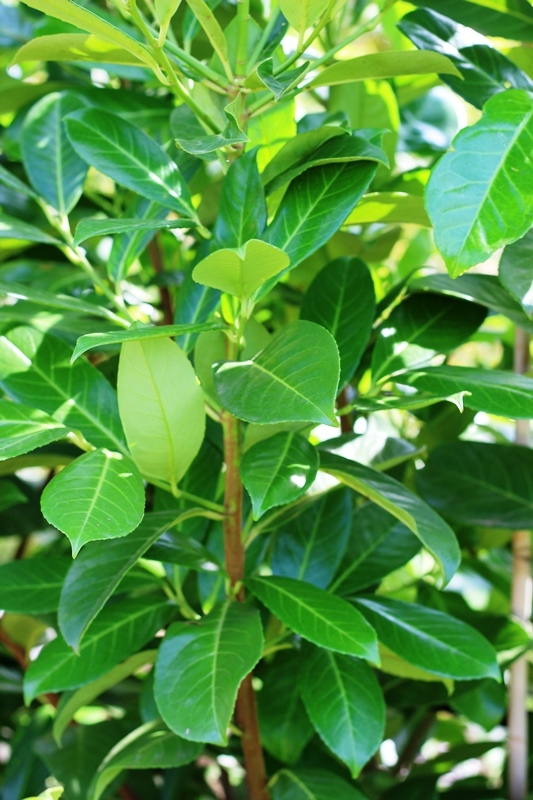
(245, 711)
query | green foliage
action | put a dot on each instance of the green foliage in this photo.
(251, 420)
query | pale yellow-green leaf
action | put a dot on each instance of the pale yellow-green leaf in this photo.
(389, 64)
(390, 207)
(241, 271)
(165, 10)
(213, 31)
(49, 794)
(68, 11)
(302, 13)
(75, 47)
(394, 665)
(162, 408)
(269, 131)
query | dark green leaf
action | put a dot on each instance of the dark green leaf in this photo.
(284, 725)
(341, 299)
(10, 495)
(310, 547)
(322, 618)
(100, 495)
(12, 182)
(312, 784)
(421, 327)
(22, 429)
(53, 166)
(200, 667)
(278, 471)
(128, 246)
(119, 149)
(512, 19)
(176, 548)
(91, 340)
(194, 304)
(242, 215)
(433, 532)
(101, 227)
(493, 391)
(345, 704)
(51, 299)
(480, 484)
(484, 70)
(478, 196)
(121, 629)
(315, 206)
(98, 570)
(269, 388)
(516, 272)
(431, 640)
(34, 370)
(32, 585)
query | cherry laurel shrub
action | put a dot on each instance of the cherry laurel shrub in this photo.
(258, 480)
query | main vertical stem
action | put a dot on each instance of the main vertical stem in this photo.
(246, 710)
(521, 600)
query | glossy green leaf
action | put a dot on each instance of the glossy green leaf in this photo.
(419, 328)
(54, 168)
(320, 147)
(320, 617)
(315, 206)
(483, 70)
(377, 546)
(278, 471)
(345, 704)
(341, 299)
(125, 153)
(268, 388)
(12, 182)
(99, 569)
(310, 547)
(35, 371)
(312, 784)
(430, 639)
(177, 548)
(433, 532)
(516, 273)
(212, 30)
(512, 19)
(139, 334)
(242, 214)
(493, 391)
(51, 299)
(100, 495)
(389, 208)
(388, 64)
(164, 435)
(195, 304)
(152, 746)
(478, 196)
(232, 134)
(72, 701)
(128, 246)
(122, 629)
(240, 272)
(478, 483)
(200, 667)
(22, 429)
(12, 228)
(74, 47)
(278, 84)
(32, 585)
(101, 227)
(283, 723)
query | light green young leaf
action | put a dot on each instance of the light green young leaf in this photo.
(213, 31)
(200, 667)
(294, 378)
(241, 271)
(431, 640)
(345, 704)
(152, 746)
(312, 784)
(22, 429)
(278, 471)
(129, 156)
(516, 271)
(75, 47)
(140, 334)
(389, 208)
(433, 532)
(74, 14)
(161, 407)
(165, 10)
(302, 13)
(54, 168)
(389, 64)
(72, 701)
(479, 196)
(122, 629)
(32, 585)
(49, 794)
(100, 495)
(101, 227)
(320, 617)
